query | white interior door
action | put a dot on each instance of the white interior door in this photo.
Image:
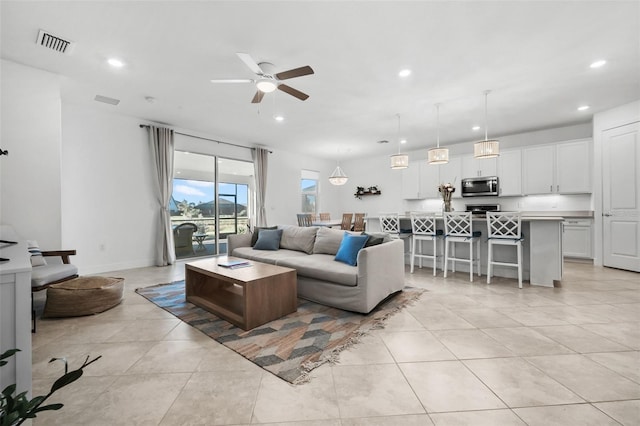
(621, 197)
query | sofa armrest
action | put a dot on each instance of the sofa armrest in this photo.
(64, 254)
(381, 269)
(237, 240)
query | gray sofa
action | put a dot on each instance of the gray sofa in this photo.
(311, 252)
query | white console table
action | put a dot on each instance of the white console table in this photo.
(15, 311)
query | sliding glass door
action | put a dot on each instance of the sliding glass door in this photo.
(212, 198)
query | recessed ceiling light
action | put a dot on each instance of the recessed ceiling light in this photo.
(475, 128)
(598, 64)
(583, 108)
(278, 118)
(404, 73)
(116, 63)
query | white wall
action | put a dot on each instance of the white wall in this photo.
(109, 206)
(283, 187)
(30, 174)
(616, 117)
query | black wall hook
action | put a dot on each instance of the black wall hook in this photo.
(4, 152)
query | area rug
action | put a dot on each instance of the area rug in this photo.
(291, 346)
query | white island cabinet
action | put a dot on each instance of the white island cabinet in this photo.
(542, 249)
(15, 311)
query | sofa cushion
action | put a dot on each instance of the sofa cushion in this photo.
(328, 240)
(322, 267)
(266, 256)
(375, 238)
(256, 233)
(349, 248)
(298, 238)
(41, 275)
(268, 239)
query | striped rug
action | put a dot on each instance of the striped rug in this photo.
(291, 346)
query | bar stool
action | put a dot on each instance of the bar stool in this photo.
(459, 229)
(504, 229)
(423, 228)
(390, 225)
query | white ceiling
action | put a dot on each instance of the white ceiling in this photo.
(533, 55)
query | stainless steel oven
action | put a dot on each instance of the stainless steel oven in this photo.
(481, 186)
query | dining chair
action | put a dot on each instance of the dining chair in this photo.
(423, 228)
(459, 229)
(358, 222)
(304, 219)
(346, 221)
(504, 229)
(325, 216)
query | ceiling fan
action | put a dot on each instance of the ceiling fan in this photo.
(267, 81)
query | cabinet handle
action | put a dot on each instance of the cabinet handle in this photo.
(557, 188)
(550, 188)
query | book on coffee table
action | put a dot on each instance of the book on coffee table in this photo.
(233, 263)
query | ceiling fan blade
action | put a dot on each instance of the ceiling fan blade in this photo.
(248, 60)
(230, 80)
(297, 72)
(257, 97)
(293, 92)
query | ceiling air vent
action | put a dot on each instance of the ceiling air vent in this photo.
(106, 100)
(56, 43)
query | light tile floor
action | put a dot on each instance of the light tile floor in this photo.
(465, 353)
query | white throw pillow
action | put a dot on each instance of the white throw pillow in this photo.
(36, 255)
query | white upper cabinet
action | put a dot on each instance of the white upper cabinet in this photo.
(452, 173)
(510, 172)
(478, 167)
(411, 181)
(420, 181)
(573, 167)
(563, 168)
(429, 180)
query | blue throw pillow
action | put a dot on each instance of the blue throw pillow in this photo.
(349, 248)
(269, 239)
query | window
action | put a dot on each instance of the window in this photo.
(309, 190)
(212, 193)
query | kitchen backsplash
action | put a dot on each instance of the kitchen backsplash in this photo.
(525, 203)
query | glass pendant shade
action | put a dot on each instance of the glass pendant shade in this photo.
(338, 177)
(438, 156)
(266, 85)
(399, 161)
(486, 149)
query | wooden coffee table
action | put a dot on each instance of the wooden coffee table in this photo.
(246, 297)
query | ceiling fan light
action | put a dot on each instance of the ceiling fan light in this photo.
(266, 85)
(338, 177)
(438, 156)
(486, 149)
(399, 161)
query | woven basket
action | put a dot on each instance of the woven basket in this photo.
(83, 296)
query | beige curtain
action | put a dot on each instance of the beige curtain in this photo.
(161, 140)
(260, 160)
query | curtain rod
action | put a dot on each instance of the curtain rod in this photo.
(206, 139)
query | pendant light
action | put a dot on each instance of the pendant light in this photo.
(338, 177)
(486, 148)
(438, 155)
(399, 161)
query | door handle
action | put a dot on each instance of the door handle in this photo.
(607, 214)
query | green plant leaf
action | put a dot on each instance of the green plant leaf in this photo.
(6, 354)
(63, 381)
(9, 390)
(48, 407)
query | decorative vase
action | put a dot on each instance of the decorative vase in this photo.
(447, 206)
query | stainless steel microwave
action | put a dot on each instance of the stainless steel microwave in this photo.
(481, 186)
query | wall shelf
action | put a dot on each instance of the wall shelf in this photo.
(361, 192)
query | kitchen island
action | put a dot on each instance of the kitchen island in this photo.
(541, 249)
